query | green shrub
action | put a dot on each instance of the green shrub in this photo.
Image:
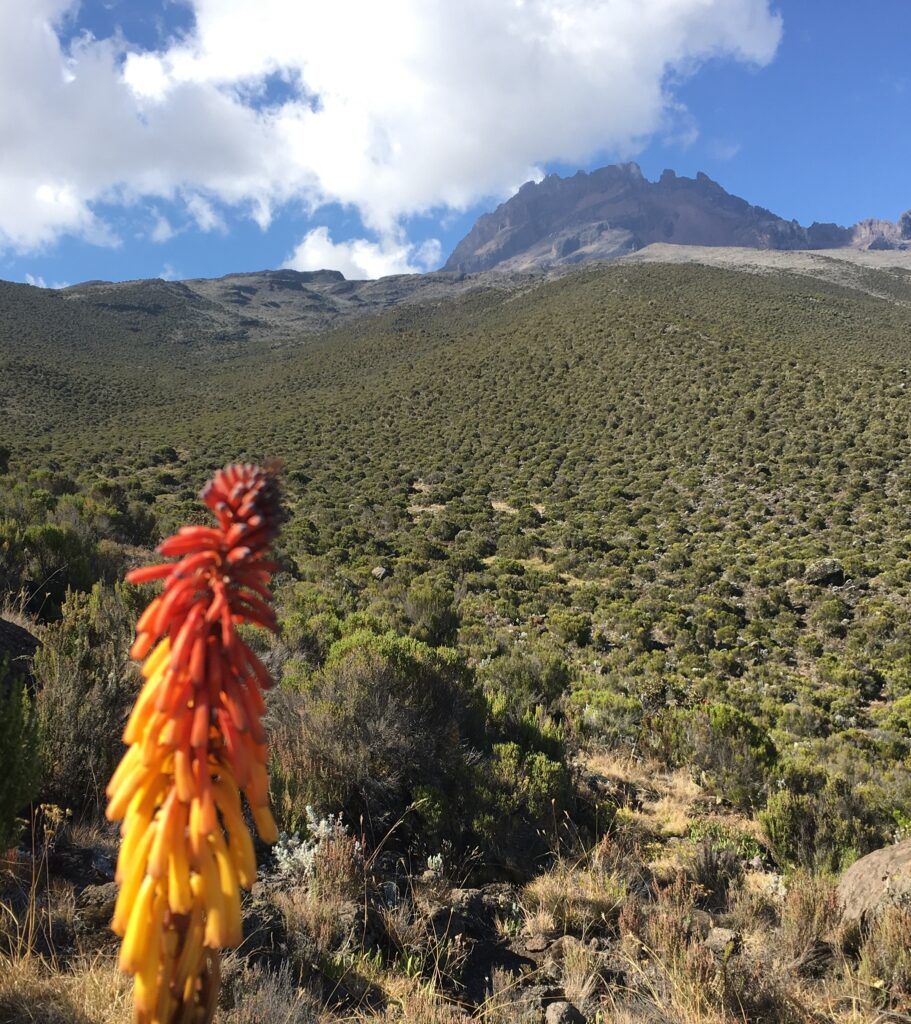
(20, 762)
(432, 614)
(820, 822)
(517, 795)
(86, 686)
(522, 691)
(385, 715)
(572, 627)
(732, 755)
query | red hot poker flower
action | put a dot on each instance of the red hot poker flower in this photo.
(196, 740)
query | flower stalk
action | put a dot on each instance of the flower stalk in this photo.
(196, 742)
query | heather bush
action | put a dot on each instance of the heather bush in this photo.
(715, 870)
(383, 716)
(885, 959)
(724, 747)
(819, 820)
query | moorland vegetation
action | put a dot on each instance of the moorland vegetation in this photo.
(598, 590)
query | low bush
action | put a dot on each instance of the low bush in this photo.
(725, 748)
(20, 762)
(385, 715)
(818, 820)
(86, 684)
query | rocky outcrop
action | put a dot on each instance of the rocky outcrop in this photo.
(16, 643)
(616, 210)
(827, 572)
(17, 647)
(876, 881)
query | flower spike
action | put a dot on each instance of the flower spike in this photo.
(196, 740)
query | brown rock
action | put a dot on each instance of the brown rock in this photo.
(17, 647)
(95, 906)
(563, 1013)
(826, 572)
(875, 881)
(723, 942)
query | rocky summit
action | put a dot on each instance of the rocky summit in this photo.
(616, 210)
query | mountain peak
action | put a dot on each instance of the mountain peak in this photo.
(614, 210)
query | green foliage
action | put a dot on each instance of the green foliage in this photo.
(724, 837)
(726, 748)
(384, 716)
(628, 469)
(821, 821)
(515, 797)
(20, 758)
(86, 684)
(432, 615)
(570, 626)
(523, 691)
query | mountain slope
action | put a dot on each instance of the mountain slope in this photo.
(274, 304)
(615, 210)
(642, 459)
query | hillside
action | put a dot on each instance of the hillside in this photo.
(595, 597)
(616, 210)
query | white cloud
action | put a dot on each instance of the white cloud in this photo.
(162, 230)
(397, 107)
(721, 149)
(360, 259)
(204, 213)
(37, 281)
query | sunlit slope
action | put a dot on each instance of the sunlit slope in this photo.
(752, 403)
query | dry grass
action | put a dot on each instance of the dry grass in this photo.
(885, 960)
(810, 913)
(258, 996)
(581, 974)
(673, 810)
(321, 926)
(88, 992)
(433, 510)
(13, 608)
(507, 1003)
(87, 833)
(573, 899)
(668, 798)
(420, 1006)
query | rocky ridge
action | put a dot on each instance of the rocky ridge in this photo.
(615, 210)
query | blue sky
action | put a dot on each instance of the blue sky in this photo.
(193, 138)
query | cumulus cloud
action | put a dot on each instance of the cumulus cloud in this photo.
(391, 107)
(361, 259)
